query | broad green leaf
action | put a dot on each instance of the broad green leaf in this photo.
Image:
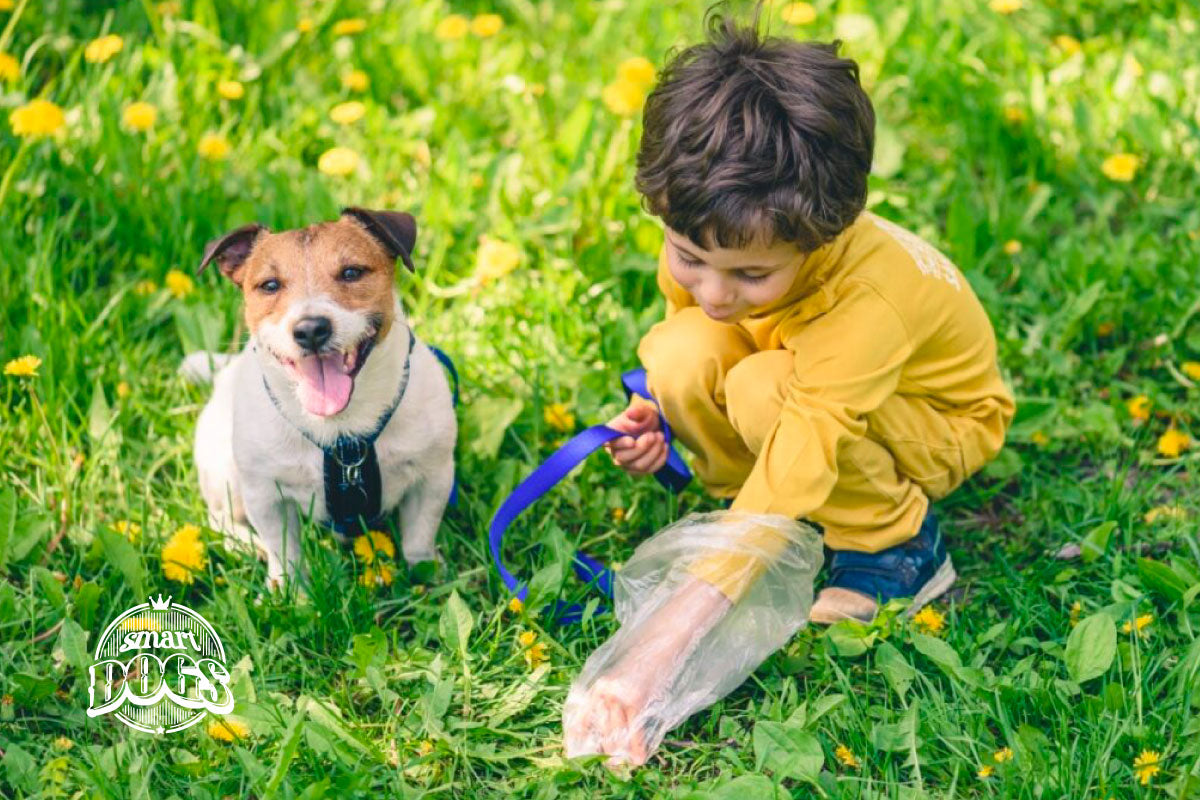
(8, 522)
(896, 670)
(1161, 579)
(851, 638)
(484, 422)
(455, 624)
(745, 787)
(72, 639)
(122, 555)
(1096, 541)
(1091, 648)
(787, 750)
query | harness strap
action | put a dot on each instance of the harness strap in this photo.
(674, 475)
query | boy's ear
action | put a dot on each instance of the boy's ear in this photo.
(395, 230)
(231, 250)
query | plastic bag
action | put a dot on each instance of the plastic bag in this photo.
(684, 643)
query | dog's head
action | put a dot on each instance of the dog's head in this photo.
(319, 298)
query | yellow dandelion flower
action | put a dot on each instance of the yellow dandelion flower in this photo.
(7, 5)
(618, 514)
(452, 27)
(929, 620)
(380, 574)
(37, 118)
(527, 638)
(63, 743)
(130, 530)
(536, 655)
(123, 389)
(1120, 167)
(424, 747)
(349, 27)
(798, 13)
(1067, 44)
(141, 623)
(183, 555)
(1076, 610)
(23, 367)
(846, 756)
(1191, 369)
(143, 288)
(1005, 6)
(1146, 765)
(169, 8)
(637, 70)
(1173, 442)
(338, 161)
(231, 90)
(1012, 247)
(1139, 407)
(100, 50)
(179, 284)
(495, 258)
(985, 772)
(139, 116)
(1039, 438)
(486, 25)
(305, 25)
(1003, 754)
(1164, 512)
(515, 605)
(1014, 115)
(623, 97)
(347, 113)
(213, 146)
(356, 80)
(227, 730)
(375, 542)
(559, 417)
(10, 68)
(1106, 328)
(1138, 625)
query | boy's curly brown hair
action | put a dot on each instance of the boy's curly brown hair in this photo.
(749, 138)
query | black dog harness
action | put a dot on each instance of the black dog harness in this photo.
(353, 488)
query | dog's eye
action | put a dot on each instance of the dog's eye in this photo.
(351, 274)
(269, 286)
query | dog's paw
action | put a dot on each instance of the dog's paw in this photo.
(416, 556)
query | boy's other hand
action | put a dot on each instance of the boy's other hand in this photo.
(644, 450)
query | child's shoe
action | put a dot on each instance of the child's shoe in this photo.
(859, 582)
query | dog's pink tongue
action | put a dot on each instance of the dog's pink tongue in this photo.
(324, 385)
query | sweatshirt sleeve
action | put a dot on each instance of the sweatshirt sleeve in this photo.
(847, 362)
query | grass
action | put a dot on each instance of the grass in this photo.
(366, 691)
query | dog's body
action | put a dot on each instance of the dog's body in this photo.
(256, 444)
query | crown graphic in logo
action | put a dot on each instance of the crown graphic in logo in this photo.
(158, 604)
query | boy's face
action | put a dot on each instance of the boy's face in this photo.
(729, 284)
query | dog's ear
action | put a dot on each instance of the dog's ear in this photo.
(395, 230)
(231, 250)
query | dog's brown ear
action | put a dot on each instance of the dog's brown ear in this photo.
(395, 230)
(231, 250)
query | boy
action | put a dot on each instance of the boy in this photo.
(819, 362)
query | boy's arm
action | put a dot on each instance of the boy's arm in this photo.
(847, 363)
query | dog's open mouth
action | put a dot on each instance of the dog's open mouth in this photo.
(325, 381)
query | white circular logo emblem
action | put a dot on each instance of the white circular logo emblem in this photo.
(160, 667)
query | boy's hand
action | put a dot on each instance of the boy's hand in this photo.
(644, 451)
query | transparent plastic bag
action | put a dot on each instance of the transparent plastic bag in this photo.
(701, 604)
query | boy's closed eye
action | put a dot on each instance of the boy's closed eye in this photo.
(740, 274)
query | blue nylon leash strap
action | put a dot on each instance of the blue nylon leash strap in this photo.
(675, 475)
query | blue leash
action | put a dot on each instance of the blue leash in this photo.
(674, 475)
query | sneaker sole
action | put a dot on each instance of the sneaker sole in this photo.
(935, 587)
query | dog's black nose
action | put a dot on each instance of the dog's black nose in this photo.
(312, 332)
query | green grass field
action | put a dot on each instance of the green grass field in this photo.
(1046, 677)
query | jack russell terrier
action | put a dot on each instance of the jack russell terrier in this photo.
(333, 409)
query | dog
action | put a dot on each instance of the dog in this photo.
(333, 409)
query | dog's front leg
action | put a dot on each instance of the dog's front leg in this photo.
(421, 513)
(277, 523)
